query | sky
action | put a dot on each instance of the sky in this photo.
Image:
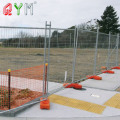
(61, 13)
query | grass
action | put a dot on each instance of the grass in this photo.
(61, 60)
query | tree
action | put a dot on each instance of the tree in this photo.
(90, 25)
(55, 33)
(109, 21)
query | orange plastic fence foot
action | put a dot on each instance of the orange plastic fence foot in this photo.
(117, 67)
(94, 77)
(72, 85)
(109, 71)
(77, 86)
(103, 67)
(45, 104)
(68, 85)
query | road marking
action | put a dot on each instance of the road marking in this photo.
(114, 101)
(78, 104)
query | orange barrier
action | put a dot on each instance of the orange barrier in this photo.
(45, 104)
(108, 71)
(20, 86)
(117, 67)
(94, 77)
(35, 72)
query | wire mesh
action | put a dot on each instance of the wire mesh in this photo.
(90, 54)
(22, 51)
(61, 57)
(113, 49)
(85, 54)
(103, 49)
(93, 50)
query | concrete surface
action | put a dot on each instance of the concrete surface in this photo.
(86, 95)
(60, 111)
(93, 94)
(108, 82)
(73, 118)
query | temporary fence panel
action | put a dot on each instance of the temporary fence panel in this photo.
(86, 43)
(113, 51)
(94, 51)
(61, 57)
(22, 51)
(102, 52)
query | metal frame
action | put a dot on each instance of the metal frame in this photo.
(108, 57)
(74, 54)
(117, 49)
(44, 57)
(96, 51)
(46, 61)
(49, 54)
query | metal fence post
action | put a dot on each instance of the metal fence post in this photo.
(57, 40)
(108, 57)
(70, 39)
(75, 52)
(96, 51)
(117, 50)
(49, 55)
(9, 88)
(44, 57)
(46, 74)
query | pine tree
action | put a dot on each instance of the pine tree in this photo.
(109, 21)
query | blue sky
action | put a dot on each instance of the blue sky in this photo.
(62, 13)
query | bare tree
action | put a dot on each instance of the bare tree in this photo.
(24, 38)
(90, 25)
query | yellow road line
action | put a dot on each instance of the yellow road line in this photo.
(114, 101)
(78, 104)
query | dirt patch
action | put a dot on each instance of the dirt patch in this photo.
(18, 97)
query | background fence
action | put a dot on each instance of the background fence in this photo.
(76, 53)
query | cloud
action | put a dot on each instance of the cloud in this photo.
(62, 13)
